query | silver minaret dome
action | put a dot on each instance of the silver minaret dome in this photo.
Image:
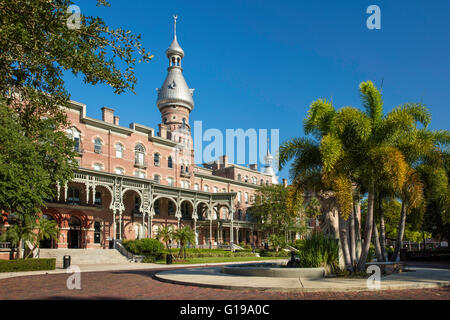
(175, 90)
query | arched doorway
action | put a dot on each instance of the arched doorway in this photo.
(74, 233)
(47, 243)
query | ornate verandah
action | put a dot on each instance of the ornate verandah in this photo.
(210, 204)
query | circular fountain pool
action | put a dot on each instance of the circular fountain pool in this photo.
(273, 269)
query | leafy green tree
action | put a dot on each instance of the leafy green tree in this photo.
(36, 48)
(279, 210)
(184, 236)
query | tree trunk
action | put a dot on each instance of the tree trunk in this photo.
(353, 237)
(376, 242)
(19, 250)
(368, 229)
(400, 232)
(343, 237)
(383, 236)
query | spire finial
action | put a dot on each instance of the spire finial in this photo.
(175, 17)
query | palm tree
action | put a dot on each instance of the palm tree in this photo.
(166, 234)
(354, 148)
(46, 229)
(184, 236)
(21, 231)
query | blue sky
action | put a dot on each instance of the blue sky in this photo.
(260, 64)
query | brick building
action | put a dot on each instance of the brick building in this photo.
(132, 180)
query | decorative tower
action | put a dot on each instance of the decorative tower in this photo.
(175, 100)
(268, 169)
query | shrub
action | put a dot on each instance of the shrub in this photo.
(204, 253)
(151, 248)
(27, 265)
(272, 253)
(318, 250)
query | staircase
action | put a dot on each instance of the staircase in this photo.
(85, 256)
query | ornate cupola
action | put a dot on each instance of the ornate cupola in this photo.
(175, 97)
(268, 167)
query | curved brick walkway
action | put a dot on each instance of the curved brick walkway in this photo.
(140, 284)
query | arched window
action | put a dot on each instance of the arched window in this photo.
(98, 145)
(246, 198)
(119, 150)
(224, 190)
(139, 155)
(98, 166)
(74, 135)
(170, 162)
(246, 179)
(262, 181)
(215, 189)
(156, 206)
(239, 195)
(254, 180)
(239, 177)
(157, 178)
(170, 182)
(156, 159)
(196, 186)
(118, 170)
(206, 188)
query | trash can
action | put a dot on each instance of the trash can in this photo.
(169, 258)
(66, 262)
(403, 254)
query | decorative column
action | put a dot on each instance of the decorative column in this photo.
(120, 224)
(114, 226)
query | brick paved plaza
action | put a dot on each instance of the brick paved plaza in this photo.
(139, 284)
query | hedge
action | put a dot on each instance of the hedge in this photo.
(203, 253)
(271, 253)
(27, 265)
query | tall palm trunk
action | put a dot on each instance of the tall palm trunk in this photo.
(353, 237)
(19, 249)
(343, 237)
(400, 232)
(368, 229)
(376, 242)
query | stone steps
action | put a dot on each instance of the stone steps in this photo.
(85, 256)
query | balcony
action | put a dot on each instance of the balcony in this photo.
(185, 174)
(141, 164)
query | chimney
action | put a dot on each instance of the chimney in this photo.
(116, 120)
(108, 115)
(223, 162)
(163, 131)
(285, 183)
(254, 166)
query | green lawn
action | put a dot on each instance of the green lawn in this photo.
(220, 259)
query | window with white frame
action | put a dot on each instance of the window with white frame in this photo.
(139, 154)
(156, 159)
(74, 135)
(119, 170)
(170, 182)
(239, 196)
(98, 166)
(196, 186)
(119, 150)
(215, 189)
(224, 190)
(157, 178)
(246, 198)
(206, 188)
(254, 180)
(98, 145)
(246, 179)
